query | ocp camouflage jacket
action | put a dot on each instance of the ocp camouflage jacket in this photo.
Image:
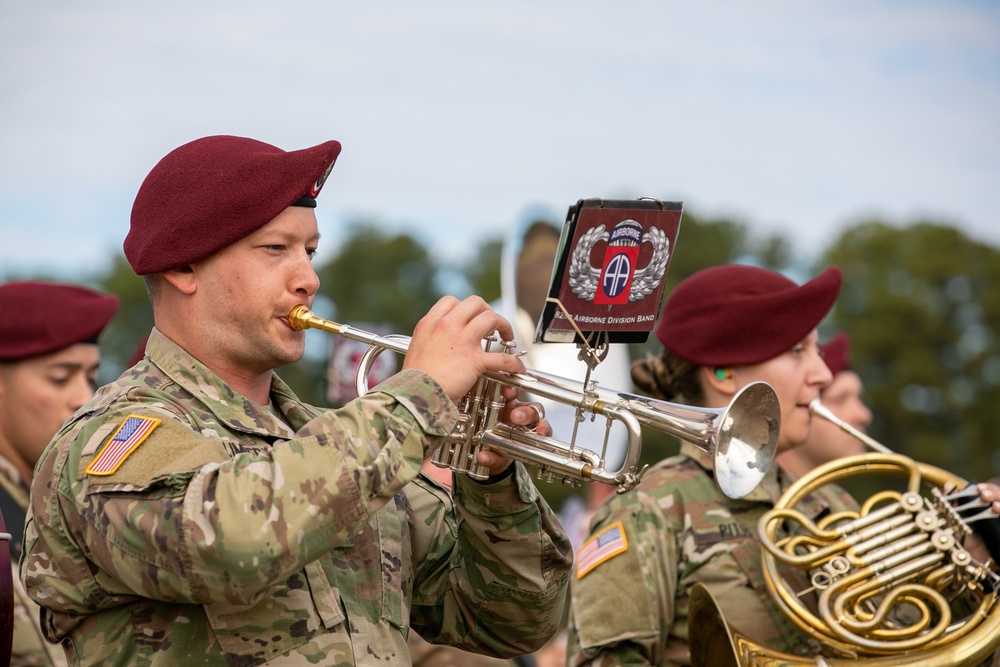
(241, 535)
(678, 530)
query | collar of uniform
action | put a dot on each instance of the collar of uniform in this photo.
(767, 491)
(229, 406)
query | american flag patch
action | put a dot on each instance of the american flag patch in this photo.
(129, 435)
(607, 543)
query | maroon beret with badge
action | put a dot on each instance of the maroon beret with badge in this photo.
(39, 317)
(837, 353)
(211, 192)
(735, 314)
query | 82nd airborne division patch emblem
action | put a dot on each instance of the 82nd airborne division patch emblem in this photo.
(619, 280)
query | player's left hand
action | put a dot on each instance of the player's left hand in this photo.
(988, 493)
(516, 413)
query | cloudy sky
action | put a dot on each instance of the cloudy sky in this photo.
(459, 118)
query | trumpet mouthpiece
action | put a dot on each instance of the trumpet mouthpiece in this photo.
(298, 317)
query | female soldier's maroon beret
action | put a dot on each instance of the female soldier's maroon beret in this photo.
(39, 318)
(837, 353)
(735, 314)
(211, 192)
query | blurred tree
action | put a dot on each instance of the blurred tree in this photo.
(772, 252)
(922, 309)
(133, 321)
(483, 272)
(130, 324)
(380, 278)
(375, 280)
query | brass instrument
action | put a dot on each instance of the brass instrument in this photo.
(895, 585)
(741, 437)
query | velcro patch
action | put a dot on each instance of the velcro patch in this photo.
(606, 544)
(125, 440)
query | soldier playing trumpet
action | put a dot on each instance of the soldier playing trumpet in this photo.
(197, 512)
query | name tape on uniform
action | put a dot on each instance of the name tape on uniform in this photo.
(129, 435)
(608, 543)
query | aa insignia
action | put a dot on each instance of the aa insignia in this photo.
(606, 544)
(125, 440)
(618, 280)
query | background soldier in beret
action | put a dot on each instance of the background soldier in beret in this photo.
(196, 512)
(844, 398)
(48, 366)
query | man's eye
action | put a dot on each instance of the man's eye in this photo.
(311, 252)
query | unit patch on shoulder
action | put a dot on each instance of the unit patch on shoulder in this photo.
(125, 440)
(606, 544)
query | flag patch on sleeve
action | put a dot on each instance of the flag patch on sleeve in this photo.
(607, 543)
(125, 440)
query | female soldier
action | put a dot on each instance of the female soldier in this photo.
(722, 328)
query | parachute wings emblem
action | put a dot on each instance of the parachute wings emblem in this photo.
(583, 276)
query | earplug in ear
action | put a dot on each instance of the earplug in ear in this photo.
(723, 373)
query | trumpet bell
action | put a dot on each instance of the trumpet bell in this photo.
(741, 438)
(747, 440)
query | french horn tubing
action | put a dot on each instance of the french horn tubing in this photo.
(895, 584)
(740, 437)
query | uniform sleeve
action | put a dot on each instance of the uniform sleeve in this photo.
(166, 528)
(622, 598)
(495, 579)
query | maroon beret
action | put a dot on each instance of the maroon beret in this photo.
(736, 314)
(211, 192)
(38, 318)
(837, 353)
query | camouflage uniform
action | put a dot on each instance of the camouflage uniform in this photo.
(679, 529)
(289, 536)
(28, 648)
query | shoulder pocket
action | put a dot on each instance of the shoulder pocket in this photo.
(614, 599)
(141, 448)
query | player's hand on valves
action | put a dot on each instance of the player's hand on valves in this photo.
(517, 413)
(988, 493)
(447, 344)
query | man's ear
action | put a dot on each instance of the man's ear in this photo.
(183, 279)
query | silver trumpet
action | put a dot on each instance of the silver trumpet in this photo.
(741, 437)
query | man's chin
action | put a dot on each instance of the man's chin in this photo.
(287, 358)
(290, 349)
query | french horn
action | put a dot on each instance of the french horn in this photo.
(740, 437)
(895, 584)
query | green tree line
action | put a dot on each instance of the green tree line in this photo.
(919, 302)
